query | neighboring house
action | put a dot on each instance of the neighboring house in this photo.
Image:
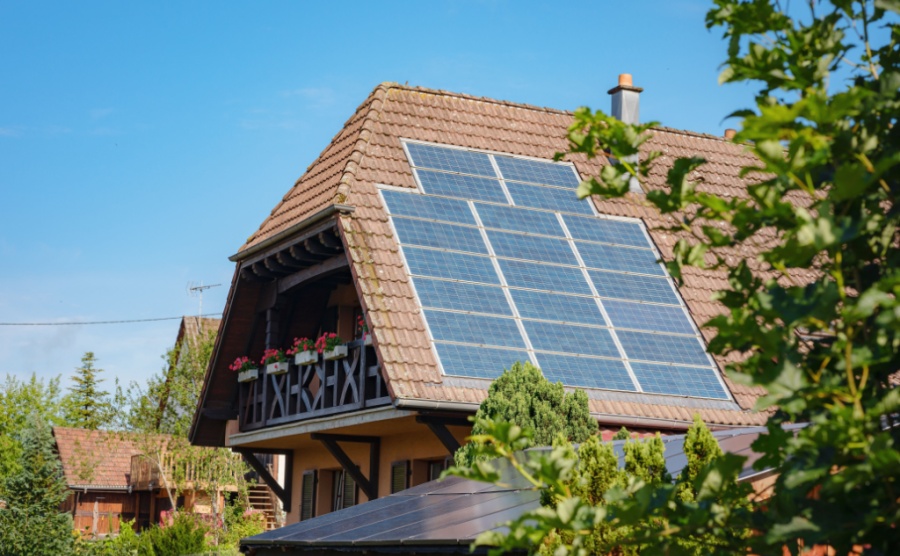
(442, 220)
(97, 470)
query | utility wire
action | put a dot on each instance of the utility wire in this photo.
(98, 321)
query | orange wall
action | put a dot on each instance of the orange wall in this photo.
(421, 444)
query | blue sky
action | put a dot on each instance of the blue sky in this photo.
(141, 143)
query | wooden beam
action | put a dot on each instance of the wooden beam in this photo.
(327, 266)
(328, 224)
(368, 485)
(283, 493)
(276, 267)
(260, 270)
(301, 254)
(220, 414)
(286, 260)
(328, 239)
(440, 431)
(314, 246)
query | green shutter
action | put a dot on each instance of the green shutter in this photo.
(308, 496)
(399, 474)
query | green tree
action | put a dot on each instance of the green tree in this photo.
(815, 316)
(523, 396)
(32, 524)
(19, 399)
(87, 406)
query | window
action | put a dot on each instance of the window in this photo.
(343, 489)
(435, 468)
(308, 496)
(399, 476)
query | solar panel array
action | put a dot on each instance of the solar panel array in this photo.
(509, 265)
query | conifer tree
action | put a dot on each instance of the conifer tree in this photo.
(32, 524)
(87, 406)
(522, 395)
(700, 448)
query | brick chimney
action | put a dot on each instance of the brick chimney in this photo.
(626, 104)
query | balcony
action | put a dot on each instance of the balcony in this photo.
(315, 390)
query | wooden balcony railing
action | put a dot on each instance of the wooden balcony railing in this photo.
(150, 472)
(323, 388)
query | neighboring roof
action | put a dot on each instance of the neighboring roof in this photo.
(449, 514)
(368, 152)
(95, 459)
(193, 329)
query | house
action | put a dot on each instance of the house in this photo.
(442, 222)
(445, 517)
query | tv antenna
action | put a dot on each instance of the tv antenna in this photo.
(196, 290)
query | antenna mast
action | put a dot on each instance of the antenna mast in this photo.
(197, 291)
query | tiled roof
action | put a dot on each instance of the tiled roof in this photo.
(95, 459)
(368, 151)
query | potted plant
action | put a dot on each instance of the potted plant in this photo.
(304, 351)
(362, 330)
(246, 369)
(331, 346)
(276, 361)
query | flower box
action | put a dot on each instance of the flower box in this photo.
(306, 358)
(277, 368)
(339, 352)
(248, 376)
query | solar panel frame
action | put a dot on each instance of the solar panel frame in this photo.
(498, 222)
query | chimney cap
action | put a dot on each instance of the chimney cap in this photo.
(626, 83)
(730, 133)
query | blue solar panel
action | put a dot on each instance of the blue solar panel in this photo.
(551, 306)
(519, 219)
(462, 296)
(611, 257)
(606, 230)
(464, 187)
(683, 381)
(586, 372)
(565, 338)
(477, 325)
(426, 206)
(663, 348)
(544, 277)
(537, 196)
(479, 363)
(533, 248)
(535, 171)
(627, 286)
(474, 329)
(434, 234)
(455, 266)
(452, 160)
(658, 318)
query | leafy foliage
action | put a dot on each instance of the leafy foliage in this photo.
(523, 396)
(815, 318)
(20, 400)
(31, 524)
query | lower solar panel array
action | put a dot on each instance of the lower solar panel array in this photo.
(511, 271)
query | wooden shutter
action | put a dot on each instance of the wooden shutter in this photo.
(308, 496)
(399, 476)
(349, 498)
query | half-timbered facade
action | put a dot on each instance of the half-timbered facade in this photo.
(441, 223)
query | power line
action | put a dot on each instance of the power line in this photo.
(98, 321)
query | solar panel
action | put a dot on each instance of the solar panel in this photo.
(464, 187)
(461, 296)
(454, 266)
(535, 171)
(536, 275)
(550, 198)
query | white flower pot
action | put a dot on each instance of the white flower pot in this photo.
(306, 358)
(248, 376)
(278, 368)
(338, 352)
